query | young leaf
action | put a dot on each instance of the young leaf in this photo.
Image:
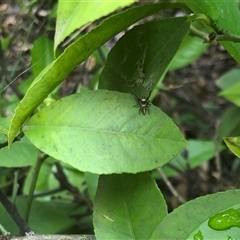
(101, 132)
(77, 52)
(233, 144)
(127, 207)
(225, 14)
(192, 218)
(74, 15)
(142, 55)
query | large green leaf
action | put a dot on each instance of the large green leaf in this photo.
(77, 52)
(226, 16)
(101, 132)
(74, 15)
(142, 55)
(127, 207)
(191, 220)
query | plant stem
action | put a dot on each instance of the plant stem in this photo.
(35, 174)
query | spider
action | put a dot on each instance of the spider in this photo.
(143, 103)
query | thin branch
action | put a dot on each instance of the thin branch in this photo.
(170, 186)
(12, 210)
(217, 153)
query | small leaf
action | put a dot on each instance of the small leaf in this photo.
(142, 55)
(127, 207)
(101, 132)
(198, 152)
(231, 115)
(228, 79)
(232, 94)
(187, 220)
(233, 144)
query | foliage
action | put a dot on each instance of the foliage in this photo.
(95, 140)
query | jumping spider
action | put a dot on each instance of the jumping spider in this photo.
(143, 103)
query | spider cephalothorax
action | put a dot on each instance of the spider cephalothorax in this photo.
(143, 103)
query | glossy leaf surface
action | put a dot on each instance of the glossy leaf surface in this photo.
(101, 132)
(191, 219)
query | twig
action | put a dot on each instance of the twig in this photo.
(17, 138)
(12, 210)
(170, 186)
(217, 153)
(65, 184)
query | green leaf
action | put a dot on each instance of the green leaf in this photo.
(233, 144)
(74, 15)
(232, 94)
(204, 6)
(101, 132)
(230, 122)
(198, 152)
(190, 49)
(142, 55)
(186, 221)
(21, 154)
(77, 52)
(92, 183)
(226, 16)
(228, 79)
(127, 207)
(42, 54)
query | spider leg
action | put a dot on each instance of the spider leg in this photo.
(149, 95)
